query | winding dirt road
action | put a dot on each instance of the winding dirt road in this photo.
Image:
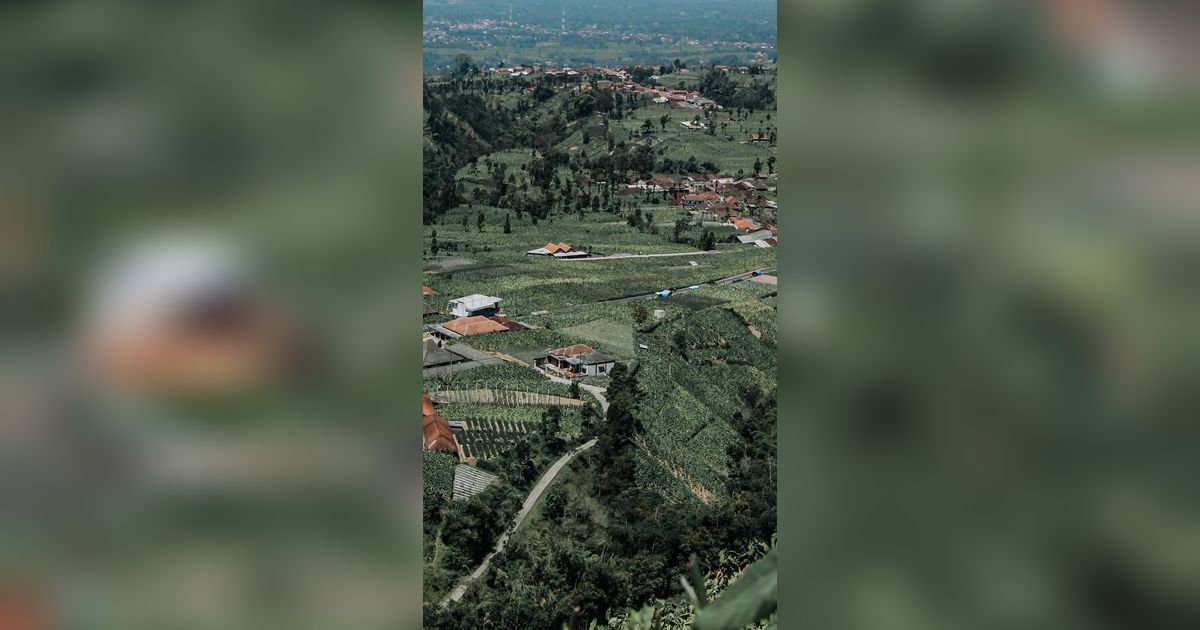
(530, 501)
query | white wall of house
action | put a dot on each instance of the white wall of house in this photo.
(599, 368)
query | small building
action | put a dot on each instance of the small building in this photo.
(743, 224)
(434, 354)
(577, 360)
(426, 309)
(558, 250)
(476, 304)
(428, 291)
(754, 236)
(693, 125)
(470, 481)
(475, 325)
(438, 436)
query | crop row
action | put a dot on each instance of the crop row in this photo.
(697, 390)
(437, 473)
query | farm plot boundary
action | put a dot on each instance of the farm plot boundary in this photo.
(503, 397)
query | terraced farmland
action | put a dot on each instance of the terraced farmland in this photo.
(486, 439)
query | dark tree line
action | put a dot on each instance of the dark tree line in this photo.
(613, 544)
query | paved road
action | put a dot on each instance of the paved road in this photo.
(647, 296)
(596, 390)
(530, 501)
(708, 253)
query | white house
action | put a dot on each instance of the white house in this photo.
(476, 304)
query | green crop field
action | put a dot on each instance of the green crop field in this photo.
(692, 390)
(617, 338)
(499, 266)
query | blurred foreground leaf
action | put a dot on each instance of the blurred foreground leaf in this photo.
(751, 598)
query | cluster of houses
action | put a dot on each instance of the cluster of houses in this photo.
(480, 314)
(475, 314)
(614, 79)
(713, 198)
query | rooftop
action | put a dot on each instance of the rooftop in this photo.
(436, 429)
(474, 325)
(572, 350)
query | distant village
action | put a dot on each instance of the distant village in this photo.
(619, 79)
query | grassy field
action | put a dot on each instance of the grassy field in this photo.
(495, 263)
(730, 149)
(605, 333)
(692, 391)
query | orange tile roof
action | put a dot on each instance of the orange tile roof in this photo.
(436, 429)
(743, 224)
(474, 325)
(572, 350)
(428, 291)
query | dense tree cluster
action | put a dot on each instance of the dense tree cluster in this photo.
(609, 544)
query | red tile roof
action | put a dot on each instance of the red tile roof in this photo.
(474, 325)
(436, 429)
(572, 350)
(428, 291)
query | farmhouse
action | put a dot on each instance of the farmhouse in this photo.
(754, 236)
(475, 304)
(467, 326)
(701, 199)
(759, 137)
(694, 125)
(558, 250)
(428, 291)
(576, 360)
(743, 224)
(434, 354)
(438, 434)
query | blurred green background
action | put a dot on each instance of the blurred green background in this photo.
(987, 307)
(292, 128)
(989, 282)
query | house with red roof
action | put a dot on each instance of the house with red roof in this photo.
(558, 250)
(438, 436)
(576, 360)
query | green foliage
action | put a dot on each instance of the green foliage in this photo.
(437, 473)
(751, 598)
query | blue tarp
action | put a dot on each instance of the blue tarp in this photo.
(664, 293)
